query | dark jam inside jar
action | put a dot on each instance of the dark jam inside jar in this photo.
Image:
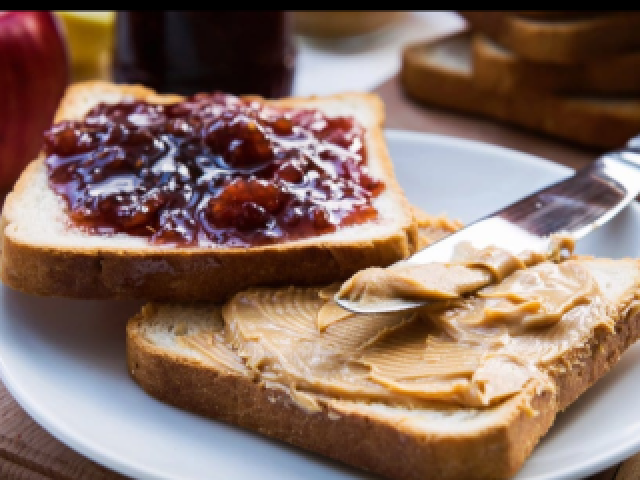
(214, 169)
(186, 52)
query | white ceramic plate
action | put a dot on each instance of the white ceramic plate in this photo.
(64, 360)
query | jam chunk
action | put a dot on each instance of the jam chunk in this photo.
(213, 169)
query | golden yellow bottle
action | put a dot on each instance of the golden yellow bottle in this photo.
(90, 38)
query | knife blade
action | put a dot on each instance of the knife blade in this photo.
(575, 206)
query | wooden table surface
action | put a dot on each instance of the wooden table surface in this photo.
(29, 452)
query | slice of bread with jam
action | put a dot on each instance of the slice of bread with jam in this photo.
(144, 195)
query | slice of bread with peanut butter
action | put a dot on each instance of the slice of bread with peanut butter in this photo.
(45, 253)
(461, 389)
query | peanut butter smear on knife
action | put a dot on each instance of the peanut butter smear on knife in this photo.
(468, 270)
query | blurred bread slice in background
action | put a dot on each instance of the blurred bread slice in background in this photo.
(440, 73)
(497, 68)
(572, 75)
(563, 40)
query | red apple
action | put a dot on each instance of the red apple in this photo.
(34, 72)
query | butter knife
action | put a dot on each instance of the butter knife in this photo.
(575, 206)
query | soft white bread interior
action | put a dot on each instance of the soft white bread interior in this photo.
(432, 441)
(44, 254)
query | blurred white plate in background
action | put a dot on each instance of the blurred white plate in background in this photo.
(363, 63)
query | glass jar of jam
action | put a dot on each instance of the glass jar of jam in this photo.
(187, 52)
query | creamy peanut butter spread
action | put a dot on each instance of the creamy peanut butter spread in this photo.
(469, 350)
(432, 228)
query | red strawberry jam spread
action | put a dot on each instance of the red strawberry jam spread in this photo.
(213, 169)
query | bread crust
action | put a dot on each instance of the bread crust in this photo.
(395, 450)
(194, 274)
